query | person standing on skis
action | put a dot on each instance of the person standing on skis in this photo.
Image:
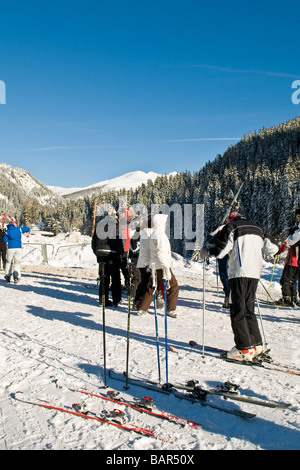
(289, 276)
(108, 248)
(3, 248)
(222, 266)
(13, 238)
(160, 255)
(293, 243)
(243, 241)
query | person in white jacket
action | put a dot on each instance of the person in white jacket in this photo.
(160, 255)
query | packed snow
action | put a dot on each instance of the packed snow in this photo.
(52, 334)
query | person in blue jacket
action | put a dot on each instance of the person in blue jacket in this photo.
(13, 238)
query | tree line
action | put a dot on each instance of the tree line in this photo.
(268, 162)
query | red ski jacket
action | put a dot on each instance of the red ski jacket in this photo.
(291, 257)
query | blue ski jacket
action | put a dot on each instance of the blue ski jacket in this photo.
(13, 236)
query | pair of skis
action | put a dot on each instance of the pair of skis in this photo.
(77, 411)
(193, 392)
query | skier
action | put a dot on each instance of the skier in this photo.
(289, 276)
(133, 270)
(124, 220)
(3, 248)
(293, 243)
(243, 241)
(108, 248)
(13, 238)
(143, 263)
(160, 255)
(222, 265)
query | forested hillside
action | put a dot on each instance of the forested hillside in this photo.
(268, 162)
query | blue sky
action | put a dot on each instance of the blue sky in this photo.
(96, 89)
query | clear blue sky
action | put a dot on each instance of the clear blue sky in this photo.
(96, 89)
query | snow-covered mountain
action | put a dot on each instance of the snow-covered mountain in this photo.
(128, 181)
(18, 187)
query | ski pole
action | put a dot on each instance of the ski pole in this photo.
(102, 290)
(166, 323)
(217, 274)
(153, 271)
(128, 319)
(203, 316)
(261, 322)
(269, 295)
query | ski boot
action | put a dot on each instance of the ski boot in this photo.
(295, 302)
(285, 301)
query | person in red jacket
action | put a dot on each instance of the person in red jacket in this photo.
(289, 276)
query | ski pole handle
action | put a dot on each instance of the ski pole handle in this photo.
(153, 272)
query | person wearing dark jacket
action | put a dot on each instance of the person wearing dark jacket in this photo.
(289, 276)
(3, 249)
(108, 248)
(133, 270)
(243, 241)
(293, 243)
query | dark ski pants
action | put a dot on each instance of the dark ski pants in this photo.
(3, 251)
(111, 272)
(172, 293)
(243, 319)
(135, 275)
(288, 281)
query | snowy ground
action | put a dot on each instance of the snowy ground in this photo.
(51, 328)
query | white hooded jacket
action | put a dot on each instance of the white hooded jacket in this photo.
(160, 248)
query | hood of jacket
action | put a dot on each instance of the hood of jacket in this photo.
(159, 221)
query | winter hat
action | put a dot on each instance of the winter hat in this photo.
(232, 216)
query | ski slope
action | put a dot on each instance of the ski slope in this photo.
(51, 332)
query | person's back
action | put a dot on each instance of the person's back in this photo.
(13, 238)
(243, 241)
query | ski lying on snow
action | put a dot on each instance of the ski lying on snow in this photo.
(172, 389)
(89, 415)
(143, 406)
(230, 391)
(263, 360)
